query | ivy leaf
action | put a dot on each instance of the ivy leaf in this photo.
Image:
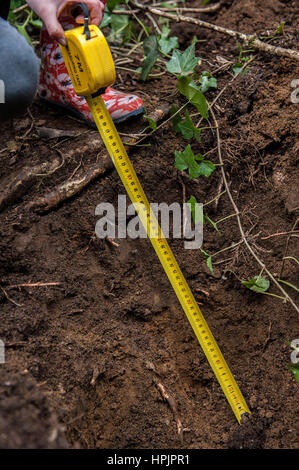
(208, 260)
(106, 20)
(237, 67)
(257, 284)
(295, 369)
(167, 44)
(206, 168)
(121, 27)
(194, 94)
(207, 81)
(183, 63)
(188, 129)
(186, 160)
(150, 47)
(196, 211)
(152, 124)
(111, 4)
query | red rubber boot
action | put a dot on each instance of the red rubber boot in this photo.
(55, 85)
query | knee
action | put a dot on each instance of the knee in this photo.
(18, 73)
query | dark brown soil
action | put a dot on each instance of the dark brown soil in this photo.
(83, 357)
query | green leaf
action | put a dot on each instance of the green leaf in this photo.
(194, 94)
(152, 124)
(150, 47)
(106, 20)
(187, 160)
(257, 284)
(280, 28)
(210, 221)
(167, 44)
(36, 23)
(209, 264)
(237, 67)
(208, 260)
(111, 4)
(188, 129)
(207, 81)
(295, 369)
(206, 168)
(196, 211)
(121, 28)
(183, 63)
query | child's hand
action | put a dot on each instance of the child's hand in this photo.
(49, 11)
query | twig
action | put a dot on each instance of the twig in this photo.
(23, 7)
(112, 242)
(258, 260)
(214, 198)
(251, 40)
(210, 9)
(35, 284)
(8, 298)
(155, 25)
(173, 406)
(279, 234)
(268, 337)
(286, 249)
(219, 193)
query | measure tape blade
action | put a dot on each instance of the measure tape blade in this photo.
(133, 187)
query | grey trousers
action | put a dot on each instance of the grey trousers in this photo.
(19, 69)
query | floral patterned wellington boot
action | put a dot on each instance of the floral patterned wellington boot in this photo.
(55, 85)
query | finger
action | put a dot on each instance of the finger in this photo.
(96, 13)
(55, 29)
(96, 10)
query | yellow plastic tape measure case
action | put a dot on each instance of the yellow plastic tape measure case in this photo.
(89, 61)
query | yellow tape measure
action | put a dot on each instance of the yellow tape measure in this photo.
(91, 68)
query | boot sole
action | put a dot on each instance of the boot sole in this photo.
(76, 113)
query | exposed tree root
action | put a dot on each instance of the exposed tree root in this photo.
(70, 188)
(19, 184)
(73, 186)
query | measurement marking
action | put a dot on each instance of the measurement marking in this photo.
(200, 327)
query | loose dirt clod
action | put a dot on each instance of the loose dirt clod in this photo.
(249, 435)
